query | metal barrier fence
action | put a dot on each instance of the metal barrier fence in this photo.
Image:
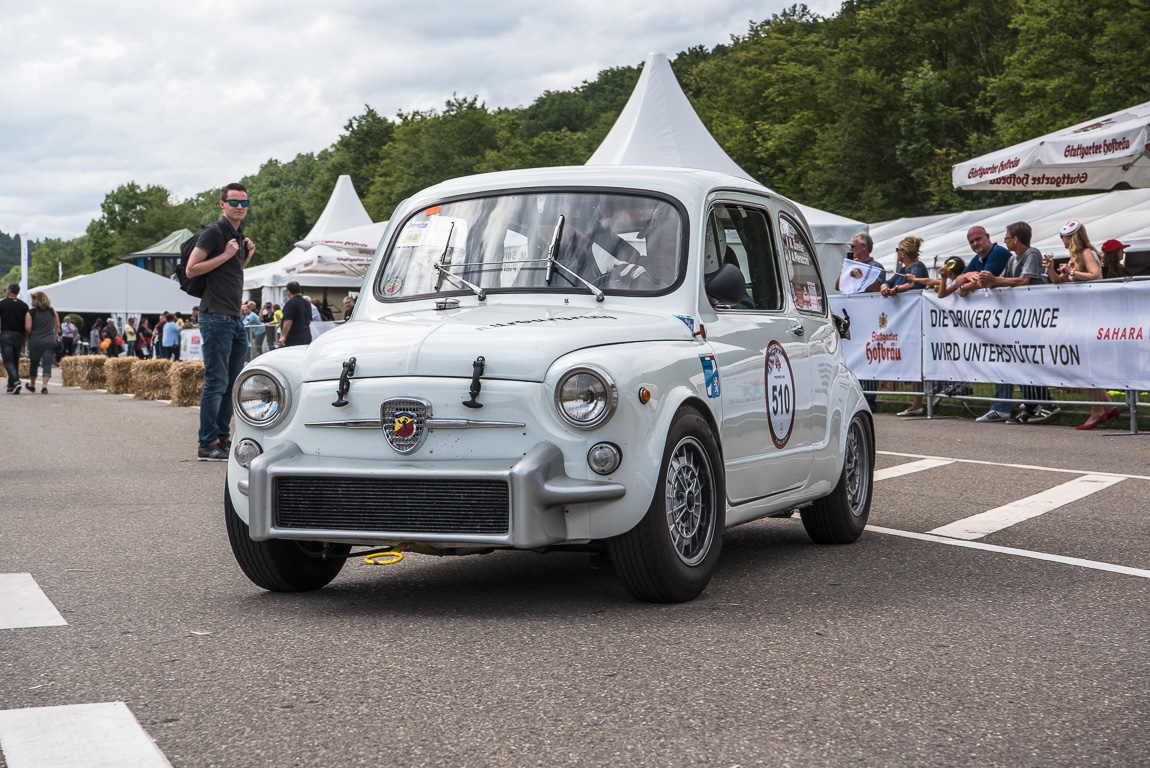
(1131, 403)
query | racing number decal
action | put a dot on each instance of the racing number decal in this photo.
(780, 394)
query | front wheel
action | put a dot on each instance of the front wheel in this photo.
(841, 517)
(670, 555)
(280, 565)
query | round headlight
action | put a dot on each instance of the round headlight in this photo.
(585, 397)
(261, 399)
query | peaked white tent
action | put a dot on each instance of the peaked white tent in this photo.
(124, 289)
(343, 212)
(1123, 215)
(1097, 154)
(658, 126)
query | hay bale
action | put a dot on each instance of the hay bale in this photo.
(92, 371)
(150, 379)
(118, 375)
(70, 371)
(25, 368)
(187, 379)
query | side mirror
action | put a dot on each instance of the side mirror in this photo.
(843, 325)
(726, 285)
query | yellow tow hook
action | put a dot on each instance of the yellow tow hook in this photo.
(390, 557)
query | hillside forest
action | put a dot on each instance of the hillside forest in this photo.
(862, 113)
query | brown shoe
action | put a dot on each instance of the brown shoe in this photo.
(43, 390)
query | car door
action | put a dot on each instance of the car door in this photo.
(817, 342)
(762, 360)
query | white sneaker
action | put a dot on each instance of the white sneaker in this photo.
(911, 412)
(992, 416)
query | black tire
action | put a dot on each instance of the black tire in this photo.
(282, 565)
(667, 559)
(841, 517)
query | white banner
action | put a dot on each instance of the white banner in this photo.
(886, 335)
(1069, 335)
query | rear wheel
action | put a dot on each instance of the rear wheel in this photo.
(282, 565)
(841, 517)
(670, 555)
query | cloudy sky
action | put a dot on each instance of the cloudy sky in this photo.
(191, 95)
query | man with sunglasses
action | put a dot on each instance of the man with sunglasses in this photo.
(221, 253)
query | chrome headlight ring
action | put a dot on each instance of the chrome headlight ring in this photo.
(586, 397)
(269, 399)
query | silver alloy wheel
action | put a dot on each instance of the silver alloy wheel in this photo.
(857, 472)
(691, 501)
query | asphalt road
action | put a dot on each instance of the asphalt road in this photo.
(893, 651)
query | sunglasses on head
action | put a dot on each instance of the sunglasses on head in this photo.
(240, 203)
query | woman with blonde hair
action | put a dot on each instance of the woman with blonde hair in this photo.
(1084, 266)
(910, 271)
(43, 327)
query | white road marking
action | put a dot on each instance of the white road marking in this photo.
(77, 736)
(910, 467)
(1014, 466)
(1093, 564)
(985, 523)
(24, 604)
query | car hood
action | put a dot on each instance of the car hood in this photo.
(517, 341)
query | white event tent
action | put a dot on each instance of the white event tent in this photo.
(320, 265)
(121, 291)
(658, 126)
(1123, 215)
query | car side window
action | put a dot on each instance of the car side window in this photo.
(741, 236)
(806, 287)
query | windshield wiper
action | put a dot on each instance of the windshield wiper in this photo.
(553, 249)
(445, 272)
(552, 262)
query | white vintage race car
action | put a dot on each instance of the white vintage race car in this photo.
(628, 359)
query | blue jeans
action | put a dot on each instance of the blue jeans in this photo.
(225, 346)
(11, 342)
(1006, 392)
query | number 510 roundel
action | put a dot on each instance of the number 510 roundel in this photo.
(780, 394)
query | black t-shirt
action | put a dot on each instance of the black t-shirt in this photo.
(12, 314)
(226, 282)
(298, 310)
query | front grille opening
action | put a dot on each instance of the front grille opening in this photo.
(392, 505)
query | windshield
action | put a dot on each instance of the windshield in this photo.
(615, 243)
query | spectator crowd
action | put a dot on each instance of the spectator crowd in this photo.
(1014, 263)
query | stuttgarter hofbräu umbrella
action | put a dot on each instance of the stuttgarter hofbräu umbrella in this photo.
(1096, 154)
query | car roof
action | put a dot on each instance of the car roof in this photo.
(686, 184)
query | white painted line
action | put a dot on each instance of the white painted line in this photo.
(1015, 466)
(985, 523)
(77, 736)
(1093, 564)
(24, 604)
(909, 468)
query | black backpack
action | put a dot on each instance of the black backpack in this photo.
(193, 286)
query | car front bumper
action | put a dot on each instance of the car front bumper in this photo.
(504, 503)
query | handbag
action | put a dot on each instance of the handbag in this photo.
(59, 344)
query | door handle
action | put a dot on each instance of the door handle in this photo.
(797, 330)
